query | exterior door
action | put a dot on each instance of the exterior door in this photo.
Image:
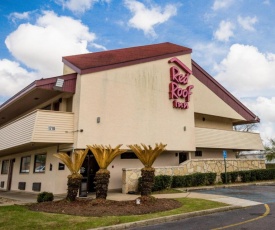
(183, 157)
(10, 174)
(88, 171)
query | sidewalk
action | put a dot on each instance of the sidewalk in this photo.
(19, 197)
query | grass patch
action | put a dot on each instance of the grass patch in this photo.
(19, 217)
(167, 191)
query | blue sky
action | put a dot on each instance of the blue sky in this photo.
(233, 40)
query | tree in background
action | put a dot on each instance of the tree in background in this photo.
(270, 150)
(147, 156)
(73, 163)
(246, 127)
(104, 155)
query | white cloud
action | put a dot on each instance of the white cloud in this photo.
(219, 4)
(265, 110)
(207, 54)
(13, 77)
(19, 16)
(247, 72)
(42, 45)
(146, 18)
(247, 22)
(225, 31)
(79, 6)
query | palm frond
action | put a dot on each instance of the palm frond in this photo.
(147, 155)
(104, 155)
(75, 161)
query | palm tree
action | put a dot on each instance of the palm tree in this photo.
(104, 155)
(147, 156)
(73, 163)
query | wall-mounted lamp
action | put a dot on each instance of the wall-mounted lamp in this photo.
(79, 130)
(184, 128)
(98, 120)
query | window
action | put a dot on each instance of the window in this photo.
(39, 163)
(198, 154)
(25, 164)
(128, 155)
(5, 167)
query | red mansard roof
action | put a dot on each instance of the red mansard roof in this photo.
(99, 61)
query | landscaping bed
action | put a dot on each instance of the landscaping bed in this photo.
(94, 207)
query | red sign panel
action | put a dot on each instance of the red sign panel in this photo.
(179, 76)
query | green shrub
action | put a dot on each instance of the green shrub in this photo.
(45, 196)
(162, 182)
(210, 178)
(249, 175)
(188, 181)
(253, 175)
(234, 176)
(198, 179)
(245, 176)
(223, 178)
(270, 166)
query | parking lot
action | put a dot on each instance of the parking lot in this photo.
(260, 193)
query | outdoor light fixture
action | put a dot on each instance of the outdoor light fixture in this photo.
(137, 201)
(98, 120)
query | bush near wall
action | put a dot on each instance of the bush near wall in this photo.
(249, 175)
(161, 182)
(197, 179)
(193, 180)
(270, 166)
(44, 197)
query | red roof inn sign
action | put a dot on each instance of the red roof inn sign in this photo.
(179, 79)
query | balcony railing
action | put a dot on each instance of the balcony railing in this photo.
(40, 126)
(224, 139)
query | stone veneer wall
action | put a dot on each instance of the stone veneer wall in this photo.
(130, 176)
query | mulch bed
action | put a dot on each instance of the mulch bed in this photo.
(99, 207)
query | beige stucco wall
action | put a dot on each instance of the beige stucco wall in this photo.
(53, 181)
(207, 102)
(213, 122)
(67, 70)
(213, 154)
(130, 101)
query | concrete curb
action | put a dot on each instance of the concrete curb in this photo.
(189, 189)
(165, 219)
